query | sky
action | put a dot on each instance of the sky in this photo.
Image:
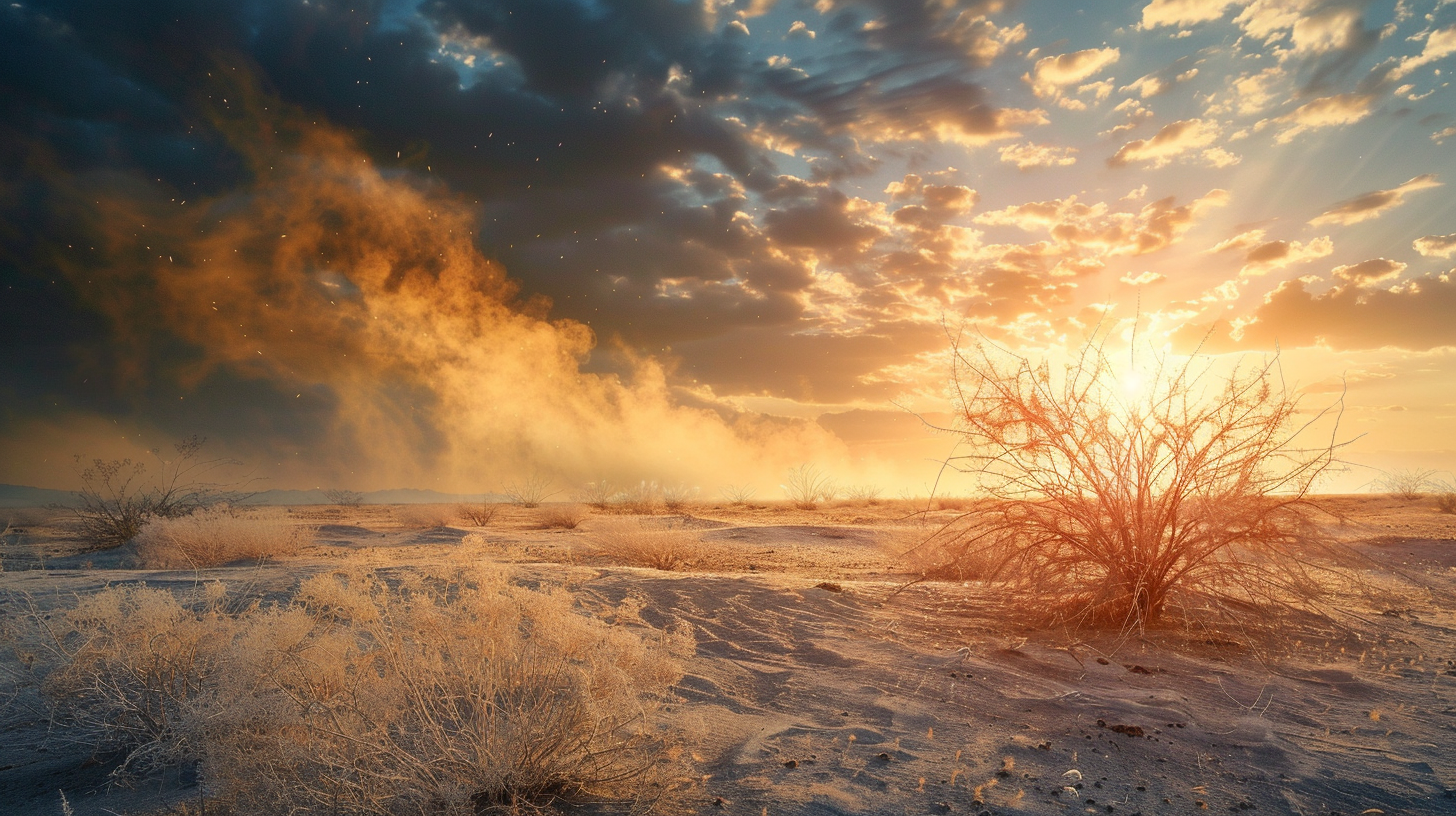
(453, 243)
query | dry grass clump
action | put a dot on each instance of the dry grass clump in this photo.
(477, 515)
(676, 497)
(1104, 505)
(218, 535)
(633, 542)
(1446, 498)
(560, 517)
(425, 516)
(806, 487)
(643, 499)
(456, 694)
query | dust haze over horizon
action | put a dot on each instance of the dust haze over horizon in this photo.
(441, 244)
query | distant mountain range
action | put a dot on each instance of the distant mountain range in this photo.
(23, 496)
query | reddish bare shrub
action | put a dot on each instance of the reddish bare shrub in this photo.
(1103, 506)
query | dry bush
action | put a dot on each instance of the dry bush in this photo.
(118, 497)
(866, 494)
(806, 487)
(529, 490)
(560, 517)
(477, 515)
(676, 497)
(424, 516)
(129, 666)
(1446, 498)
(640, 544)
(643, 499)
(737, 495)
(1409, 484)
(597, 495)
(218, 535)
(1104, 508)
(344, 498)
(456, 694)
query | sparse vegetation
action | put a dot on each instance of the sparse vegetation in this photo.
(1446, 497)
(560, 517)
(806, 487)
(218, 535)
(1409, 484)
(736, 495)
(459, 693)
(676, 497)
(1103, 506)
(642, 500)
(645, 544)
(529, 491)
(866, 494)
(344, 498)
(424, 516)
(597, 495)
(477, 515)
(117, 498)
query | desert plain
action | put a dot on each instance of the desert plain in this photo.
(825, 679)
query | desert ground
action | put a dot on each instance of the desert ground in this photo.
(826, 681)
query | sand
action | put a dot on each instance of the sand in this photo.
(823, 684)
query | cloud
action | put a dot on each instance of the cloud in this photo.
(1051, 74)
(1436, 246)
(1273, 255)
(1329, 111)
(1244, 240)
(1028, 155)
(1414, 316)
(1439, 44)
(1183, 12)
(1163, 80)
(1174, 140)
(1369, 273)
(1373, 204)
(800, 30)
(1095, 227)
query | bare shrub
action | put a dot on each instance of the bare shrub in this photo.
(1103, 507)
(344, 498)
(806, 487)
(676, 497)
(424, 516)
(118, 497)
(456, 694)
(218, 535)
(867, 494)
(477, 515)
(597, 495)
(631, 541)
(529, 490)
(643, 499)
(560, 517)
(1409, 484)
(737, 495)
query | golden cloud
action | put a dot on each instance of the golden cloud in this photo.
(1183, 12)
(1050, 74)
(1369, 273)
(1267, 257)
(1371, 205)
(1028, 155)
(1328, 111)
(1436, 246)
(1172, 141)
